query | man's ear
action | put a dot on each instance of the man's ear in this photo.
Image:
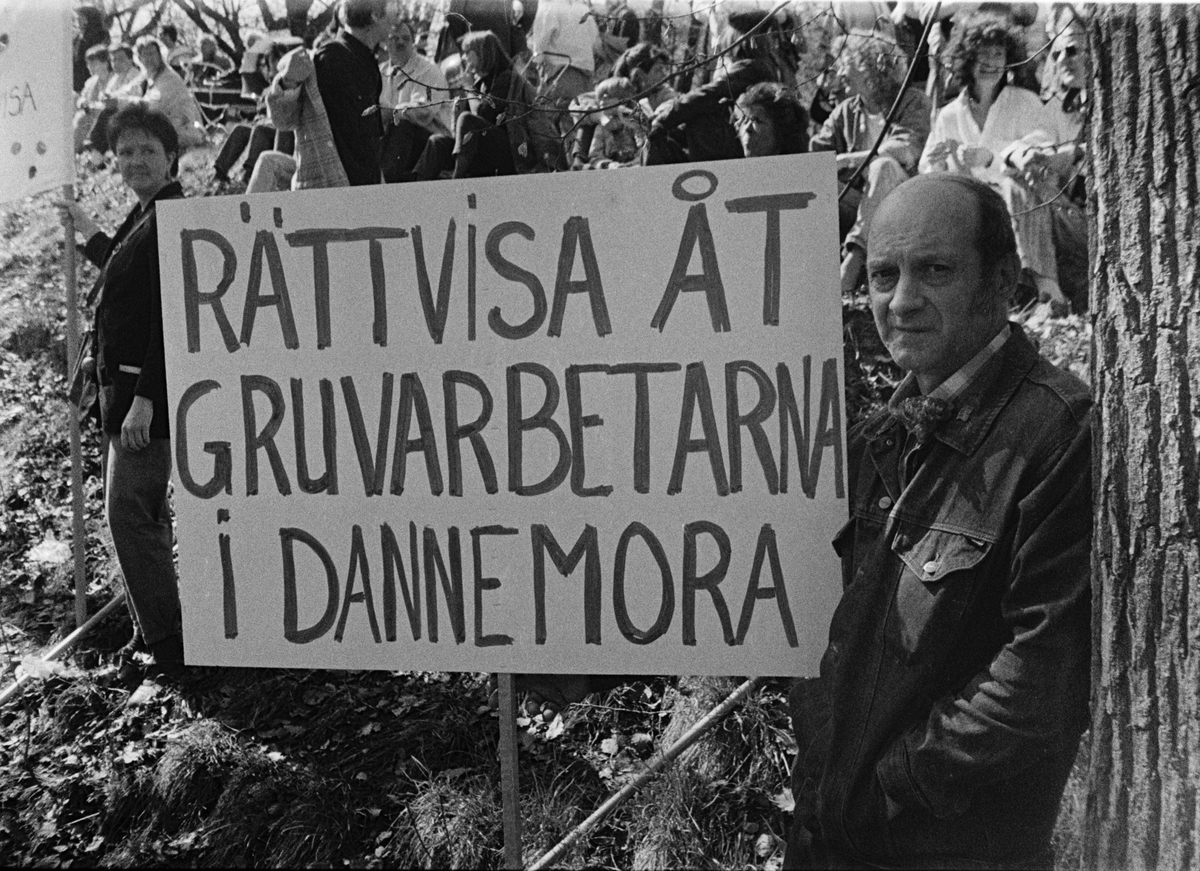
(1005, 274)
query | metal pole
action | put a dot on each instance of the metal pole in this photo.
(66, 644)
(509, 786)
(652, 770)
(79, 530)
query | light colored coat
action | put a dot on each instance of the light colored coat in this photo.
(302, 110)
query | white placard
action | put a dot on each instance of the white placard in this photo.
(37, 102)
(582, 422)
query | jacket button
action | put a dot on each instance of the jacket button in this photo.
(889, 443)
(930, 567)
(885, 503)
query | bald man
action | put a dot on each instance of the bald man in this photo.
(955, 686)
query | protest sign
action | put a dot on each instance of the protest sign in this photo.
(36, 97)
(587, 422)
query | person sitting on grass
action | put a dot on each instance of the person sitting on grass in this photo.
(695, 126)
(996, 131)
(209, 63)
(125, 82)
(166, 93)
(416, 101)
(260, 135)
(619, 133)
(871, 68)
(649, 68)
(499, 105)
(769, 119)
(175, 53)
(91, 99)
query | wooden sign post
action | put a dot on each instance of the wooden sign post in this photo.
(510, 771)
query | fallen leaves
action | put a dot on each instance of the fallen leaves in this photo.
(50, 551)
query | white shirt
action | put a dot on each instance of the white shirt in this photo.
(557, 31)
(126, 84)
(418, 81)
(1017, 115)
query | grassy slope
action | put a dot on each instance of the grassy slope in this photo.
(285, 768)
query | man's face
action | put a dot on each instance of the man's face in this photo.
(384, 26)
(400, 44)
(1070, 53)
(150, 58)
(96, 66)
(470, 64)
(120, 61)
(934, 306)
(856, 79)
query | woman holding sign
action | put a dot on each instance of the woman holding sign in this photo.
(133, 387)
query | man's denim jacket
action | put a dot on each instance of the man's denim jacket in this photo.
(956, 680)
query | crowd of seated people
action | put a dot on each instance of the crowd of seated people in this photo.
(569, 86)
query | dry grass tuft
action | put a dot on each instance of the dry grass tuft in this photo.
(211, 793)
(725, 783)
(453, 821)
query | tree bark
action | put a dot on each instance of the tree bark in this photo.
(1144, 771)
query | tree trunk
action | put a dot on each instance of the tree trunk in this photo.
(1144, 772)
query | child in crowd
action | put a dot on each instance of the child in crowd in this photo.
(618, 138)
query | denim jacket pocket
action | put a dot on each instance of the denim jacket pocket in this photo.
(934, 586)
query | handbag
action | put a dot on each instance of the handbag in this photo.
(83, 392)
(83, 389)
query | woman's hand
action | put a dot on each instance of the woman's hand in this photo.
(295, 67)
(84, 225)
(943, 156)
(135, 430)
(847, 162)
(977, 156)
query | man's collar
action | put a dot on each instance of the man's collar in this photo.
(952, 387)
(979, 402)
(1073, 99)
(396, 69)
(356, 44)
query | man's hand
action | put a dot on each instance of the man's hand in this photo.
(893, 807)
(660, 112)
(135, 430)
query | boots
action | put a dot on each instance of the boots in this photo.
(168, 656)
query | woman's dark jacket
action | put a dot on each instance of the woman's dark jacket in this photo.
(129, 318)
